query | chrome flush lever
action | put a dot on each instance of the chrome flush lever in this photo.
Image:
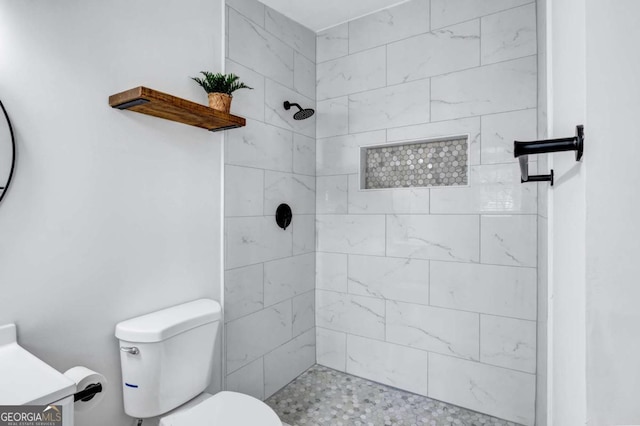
(130, 350)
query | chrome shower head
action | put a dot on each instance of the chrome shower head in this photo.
(300, 115)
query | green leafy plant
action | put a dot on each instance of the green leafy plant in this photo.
(221, 83)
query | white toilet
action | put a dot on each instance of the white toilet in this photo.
(167, 363)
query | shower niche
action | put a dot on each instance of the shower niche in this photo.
(415, 164)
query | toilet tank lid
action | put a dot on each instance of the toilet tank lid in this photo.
(161, 325)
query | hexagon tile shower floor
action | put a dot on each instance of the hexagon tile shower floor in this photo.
(322, 396)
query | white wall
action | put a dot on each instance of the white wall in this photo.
(432, 290)
(567, 217)
(613, 209)
(111, 214)
(593, 216)
(543, 223)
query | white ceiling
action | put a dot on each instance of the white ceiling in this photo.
(321, 14)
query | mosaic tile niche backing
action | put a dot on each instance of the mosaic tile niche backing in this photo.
(440, 162)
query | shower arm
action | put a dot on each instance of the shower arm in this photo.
(288, 105)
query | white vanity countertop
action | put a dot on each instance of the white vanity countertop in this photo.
(25, 379)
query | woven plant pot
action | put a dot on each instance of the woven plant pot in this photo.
(220, 102)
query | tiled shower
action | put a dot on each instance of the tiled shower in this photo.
(430, 288)
(269, 272)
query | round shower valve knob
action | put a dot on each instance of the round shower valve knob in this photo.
(283, 216)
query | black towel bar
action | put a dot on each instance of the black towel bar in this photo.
(522, 150)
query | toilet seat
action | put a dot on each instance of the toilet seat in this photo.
(224, 409)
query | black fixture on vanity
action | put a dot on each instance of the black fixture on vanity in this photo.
(522, 150)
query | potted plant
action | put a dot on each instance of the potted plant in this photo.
(220, 87)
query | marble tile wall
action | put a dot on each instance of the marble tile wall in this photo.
(269, 273)
(431, 290)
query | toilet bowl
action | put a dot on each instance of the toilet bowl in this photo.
(225, 409)
(167, 363)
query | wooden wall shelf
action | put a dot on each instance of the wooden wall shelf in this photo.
(151, 102)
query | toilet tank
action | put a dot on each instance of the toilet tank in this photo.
(167, 356)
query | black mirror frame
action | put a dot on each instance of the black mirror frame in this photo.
(13, 152)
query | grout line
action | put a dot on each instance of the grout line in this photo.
(346, 349)
(504, 213)
(293, 318)
(498, 213)
(348, 194)
(429, 284)
(386, 220)
(419, 258)
(425, 123)
(429, 31)
(263, 289)
(274, 349)
(264, 378)
(479, 337)
(480, 40)
(386, 302)
(509, 9)
(263, 27)
(481, 16)
(348, 38)
(293, 154)
(430, 97)
(365, 15)
(423, 305)
(278, 171)
(348, 275)
(480, 238)
(425, 351)
(509, 163)
(267, 215)
(337, 58)
(226, 31)
(427, 78)
(386, 65)
(428, 369)
(264, 194)
(348, 116)
(269, 261)
(291, 88)
(481, 144)
(264, 100)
